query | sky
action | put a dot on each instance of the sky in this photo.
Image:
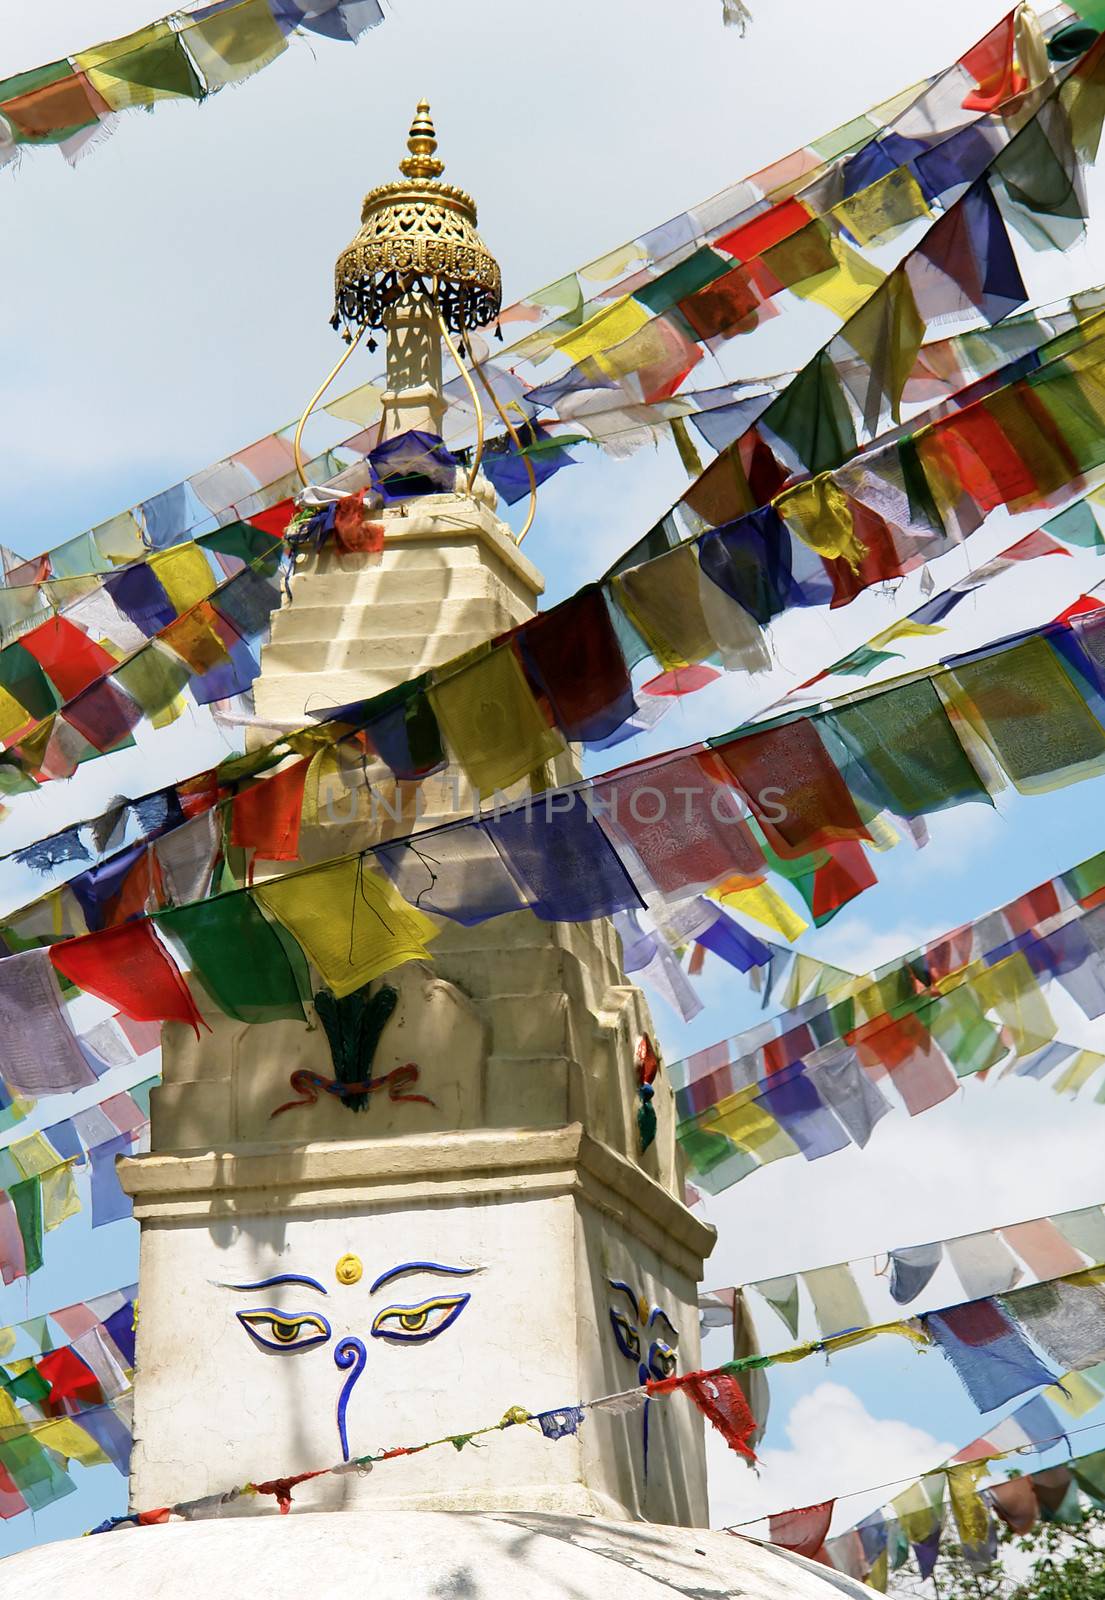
(166, 301)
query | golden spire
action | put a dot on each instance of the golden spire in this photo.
(417, 238)
(422, 142)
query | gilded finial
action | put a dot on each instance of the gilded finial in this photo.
(422, 142)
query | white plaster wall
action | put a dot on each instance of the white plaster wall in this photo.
(213, 1410)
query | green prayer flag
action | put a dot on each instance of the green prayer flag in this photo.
(34, 1471)
(660, 294)
(153, 678)
(1039, 171)
(24, 679)
(904, 742)
(29, 1385)
(960, 1027)
(26, 1197)
(1089, 1475)
(923, 510)
(812, 417)
(1077, 525)
(239, 539)
(1086, 879)
(240, 958)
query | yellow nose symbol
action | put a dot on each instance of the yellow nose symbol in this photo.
(349, 1269)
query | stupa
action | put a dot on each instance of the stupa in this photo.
(322, 1282)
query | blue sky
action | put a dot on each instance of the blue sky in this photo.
(166, 302)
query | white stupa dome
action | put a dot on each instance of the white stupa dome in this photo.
(417, 1555)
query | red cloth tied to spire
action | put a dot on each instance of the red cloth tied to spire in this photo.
(127, 967)
(718, 1396)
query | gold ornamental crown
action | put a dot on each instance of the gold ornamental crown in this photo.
(417, 236)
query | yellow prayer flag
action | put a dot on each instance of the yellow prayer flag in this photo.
(115, 69)
(119, 539)
(662, 599)
(11, 1418)
(352, 923)
(877, 1577)
(71, 1441)
(971, 1517)
(751, 1127)
(7, 1341)
(765, 905)
(234, 44)
(820, 514)
(883, 206)
(905, 629)
(883, 836)
(1078, 1072)
(184, 573)
(916, 1507)
(362, 406)
(492, 722)
(13, 716)
(1012, 989)
(844, 289)
(33, 1154)
(608, 327)
(1076, 1395)
(60, 1199)
(613, 263)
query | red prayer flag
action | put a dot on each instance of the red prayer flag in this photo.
(266, 816)
(802, 1531)
(1015, 1503)
(770, 227)
(11, 1501)
(274, 519)
(67, 655)
(846, 874)
(794, 788)
(718, 1396)
(69, 1378)
(573, 655)
(991, 64)
(130, 969)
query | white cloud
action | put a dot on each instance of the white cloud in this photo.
(835, 1446)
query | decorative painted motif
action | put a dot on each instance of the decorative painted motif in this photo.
(645, 1334)
(308, 1084)
(274, 1330)
(349, 1269)
(284, 1330)
(353, 1026)
(413, 1324)
(350, 1353)
(648, 1065)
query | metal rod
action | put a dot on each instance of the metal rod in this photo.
(316, 397)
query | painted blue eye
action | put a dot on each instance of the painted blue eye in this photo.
(661, 1359)
(629, 1340)
(282, 1330)
(416, 1324)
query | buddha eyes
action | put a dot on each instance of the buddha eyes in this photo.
(278, 1330)
(662, 1359)
(629, 1340)
(415, 1324)
(302, 1330)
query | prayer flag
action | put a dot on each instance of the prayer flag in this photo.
(127, 967)
(251, 970)
(351, 923)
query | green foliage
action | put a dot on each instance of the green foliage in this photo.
(1056, 1561)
